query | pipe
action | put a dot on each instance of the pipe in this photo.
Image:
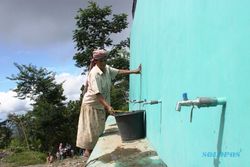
(201, 102)
(151, 102)
(137, 101)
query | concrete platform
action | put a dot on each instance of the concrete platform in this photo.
(111, 151)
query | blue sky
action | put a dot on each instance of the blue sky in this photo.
(55, 59)
(39, 32)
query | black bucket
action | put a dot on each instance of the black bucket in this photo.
(131, 124)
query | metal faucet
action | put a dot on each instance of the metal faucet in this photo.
(201, 102)
(152, 102)
(137, 101)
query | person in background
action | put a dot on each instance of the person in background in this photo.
(57, 155)
(50, 158)
(61, 151)
(96, 100)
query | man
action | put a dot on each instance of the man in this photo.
(96, 101)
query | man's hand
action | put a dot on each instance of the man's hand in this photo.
(138, 70)
(106, 106)
(110, 110)
(127, 72)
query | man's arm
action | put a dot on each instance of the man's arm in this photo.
(127, 72)
(103, 102)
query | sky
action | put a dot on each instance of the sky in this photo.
(39, 32)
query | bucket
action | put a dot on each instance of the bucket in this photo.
(131, 124)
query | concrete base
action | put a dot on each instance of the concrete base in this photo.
(111, 151)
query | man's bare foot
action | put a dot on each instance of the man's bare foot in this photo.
(86, 154)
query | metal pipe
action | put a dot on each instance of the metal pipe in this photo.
(137, 101)
(201, 102)
(152, 102)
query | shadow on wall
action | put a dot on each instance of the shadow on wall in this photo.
(220, 137)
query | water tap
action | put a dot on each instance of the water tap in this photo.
(137, 101)
(199, 102)
(152, 102)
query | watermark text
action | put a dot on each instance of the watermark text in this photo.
(223, 154)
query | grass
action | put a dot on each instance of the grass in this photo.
(24, 158)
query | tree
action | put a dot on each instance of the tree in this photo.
(72, 114)
(47, 123)
(18, 122)
(37, 83)
(5, 134)
(94, 25)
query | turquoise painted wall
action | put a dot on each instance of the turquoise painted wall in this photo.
(202, 48)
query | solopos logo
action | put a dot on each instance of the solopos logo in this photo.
(223, 154)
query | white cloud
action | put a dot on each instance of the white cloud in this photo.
(72, 85)
(11, 104)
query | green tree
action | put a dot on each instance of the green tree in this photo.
(72, 114)
(48, 123)
(94, 26)
(19, 124)
(5, 134)
(37, 84)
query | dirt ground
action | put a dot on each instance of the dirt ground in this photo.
(76, 161)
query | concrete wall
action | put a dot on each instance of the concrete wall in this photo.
(202, 48)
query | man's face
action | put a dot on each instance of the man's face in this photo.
(101, 63)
